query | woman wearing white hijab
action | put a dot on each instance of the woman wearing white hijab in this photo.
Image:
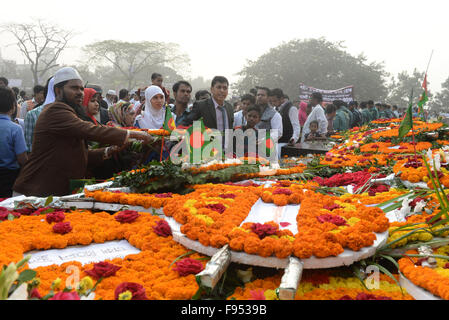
(154, 114)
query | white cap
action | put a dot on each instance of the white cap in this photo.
(66, 74)
(112, 93)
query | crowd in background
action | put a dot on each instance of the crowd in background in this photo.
(26, 142)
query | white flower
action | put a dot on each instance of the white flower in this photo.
(419, 207)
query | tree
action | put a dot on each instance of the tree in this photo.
(41, 43)
(401, 86)
(440, 102)
(317, 63)
(132, 60)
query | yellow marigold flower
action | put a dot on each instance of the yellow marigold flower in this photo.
(56, 284)
(85, 285)
(352, 221)
(206, 219)
(271, 295)
(443, 272)
(127, 295)
(288, 238)
(35, 282)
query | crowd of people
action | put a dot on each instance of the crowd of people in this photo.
(48, 139)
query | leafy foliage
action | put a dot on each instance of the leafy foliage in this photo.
(315, 62)
(166, 176)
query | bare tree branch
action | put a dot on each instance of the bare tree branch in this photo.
(41, 43)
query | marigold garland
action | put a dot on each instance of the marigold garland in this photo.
(145, 200)
(435, 280)
(150, 268)
(318, 285)
(315, 238)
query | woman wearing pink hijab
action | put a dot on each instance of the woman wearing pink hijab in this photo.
(302, 114)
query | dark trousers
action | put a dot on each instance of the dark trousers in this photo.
(7, 179)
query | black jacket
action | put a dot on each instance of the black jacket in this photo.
(206, 109)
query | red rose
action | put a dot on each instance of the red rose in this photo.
(282, 191)
(332, 207)
(368, 296)
(337, 220)
(35, 294)
(57, 216)
(257, 295)
(39, 211)
(188, 266)
(216, 207)
(164, 195)
(103, 270)
(227, 196)
(137, 290)
(62, 227)
(3, 215)
(66, 296)
(263, 230)
(162, 229)
(127, 216)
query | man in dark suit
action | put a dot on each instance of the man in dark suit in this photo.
(216, 112)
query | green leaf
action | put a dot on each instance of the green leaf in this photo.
(26, 275)
(23, 261)
(198, 294)
(388, 273)
(356, 271)
(49, 210)
(388, 245)
(11, 217)
(48, 201)
(181, 256)
(404, 227)
(203, 259)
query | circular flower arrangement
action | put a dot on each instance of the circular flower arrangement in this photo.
(434, 280)
(319, 285)
(145, 200)
(387, 147)
(151, 269)
(327, 225)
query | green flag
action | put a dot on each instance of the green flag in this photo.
(169, 122)
(196, 140)
(407, 123)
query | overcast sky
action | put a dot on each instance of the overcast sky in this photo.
(219, 36)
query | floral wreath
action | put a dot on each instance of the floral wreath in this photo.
(153, 273)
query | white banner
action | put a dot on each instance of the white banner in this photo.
(85, 254)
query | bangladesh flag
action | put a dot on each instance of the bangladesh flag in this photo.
(197, 140)
(169, 122)
(269, 144)
(407, 123)
(424, 97)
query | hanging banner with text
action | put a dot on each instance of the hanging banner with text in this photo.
(345, 94)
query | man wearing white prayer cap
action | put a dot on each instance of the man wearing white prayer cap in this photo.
(110, 97)
(60, 152)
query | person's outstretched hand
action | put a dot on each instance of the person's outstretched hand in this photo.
(142, 136)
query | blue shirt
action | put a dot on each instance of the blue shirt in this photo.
(12, 143)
